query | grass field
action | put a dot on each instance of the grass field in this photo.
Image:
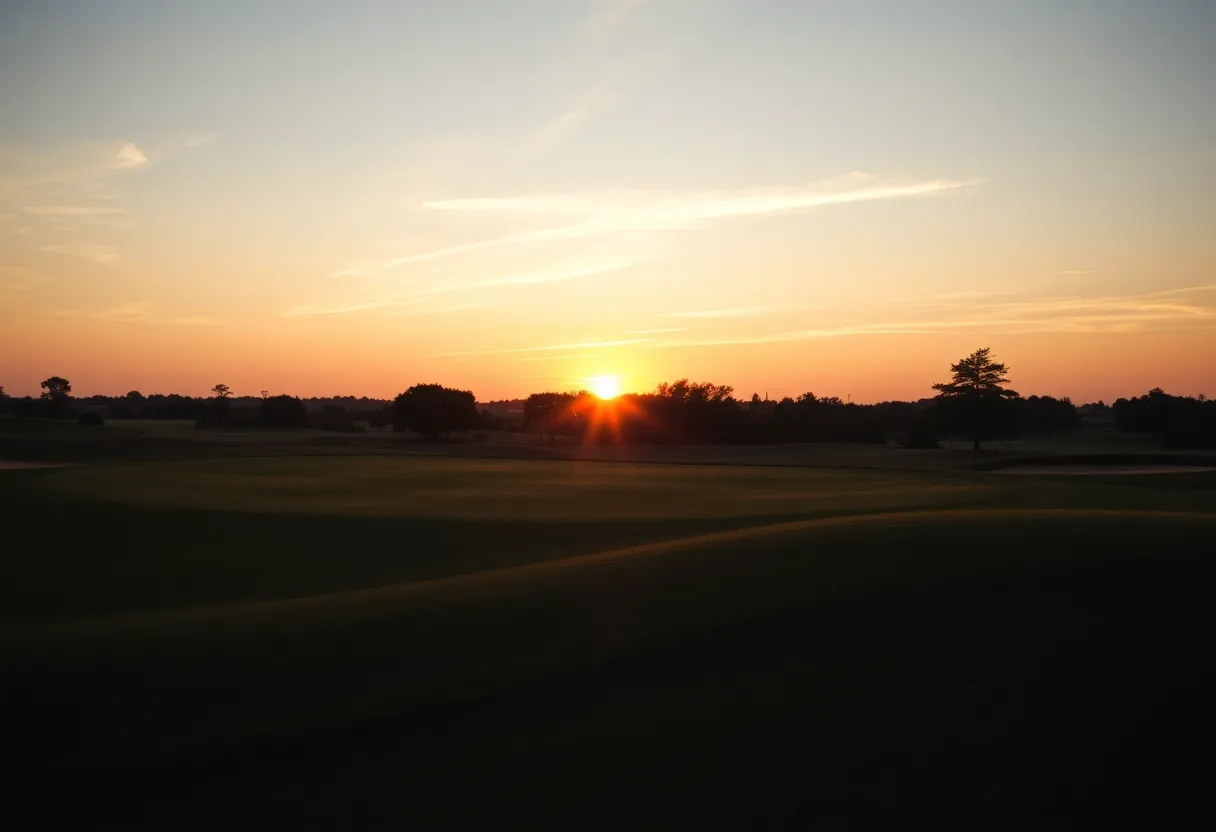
(368, 640)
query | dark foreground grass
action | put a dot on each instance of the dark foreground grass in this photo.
(1053, 701)
(128, 538)
(988, 653)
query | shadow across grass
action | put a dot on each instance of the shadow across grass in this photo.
(1053, 697)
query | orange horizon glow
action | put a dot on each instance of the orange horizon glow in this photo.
(579, 203)
(1085, 367)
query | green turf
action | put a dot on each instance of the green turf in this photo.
(204, 615)
(482, 489)
(162, 535)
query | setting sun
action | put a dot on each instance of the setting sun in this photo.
(606, 387)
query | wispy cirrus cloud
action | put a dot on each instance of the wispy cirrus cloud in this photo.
(580, 345)
(191, 320)
(1185, 307)
(562, 128)
(529, 278)
(398, 307)
(733, 312)
(129, 312)
(420, 293)
(597, 214)
(73, 210)
(557, 357)
(1166, 309)
(444, 309)
(646, 210)
(98, 253)
(78, 167)
(336, 309)
(136, 312)
(74, 184)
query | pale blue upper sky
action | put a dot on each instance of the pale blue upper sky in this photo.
(224, 163)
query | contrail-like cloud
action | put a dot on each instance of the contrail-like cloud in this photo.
(605, 213)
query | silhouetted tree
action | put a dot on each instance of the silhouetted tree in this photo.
(828, 419)
(1045, 414)
(691, 392)
(56, 386)
(283, 412)
(217, 412)
(976, 392)
(1095, 413)
(378, 418)
(687, 411)
(434, 410)
(551, 413)
(1180, 422)
(55, 392)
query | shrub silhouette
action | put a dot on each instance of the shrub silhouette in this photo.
(434, 410)
(283, 412)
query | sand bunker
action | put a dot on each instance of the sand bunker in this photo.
(1104, 470)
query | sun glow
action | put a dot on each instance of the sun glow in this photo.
(606, 387)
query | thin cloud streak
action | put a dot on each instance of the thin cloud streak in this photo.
(105, 255)
(558, 131)
(443, 310)
(195, 320)
(132, 312)
(533, 278)
(411, 306)
(558, 357)
(1074, 301)
(425, 294)
(343, 309)
(582, 345)
(72, 210)
(643, 211)
(737, 312)
(1130, 313)
(136, 312)
(650, 209)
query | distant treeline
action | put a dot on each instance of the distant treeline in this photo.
(244, 409)
(676, 412)
(1181, 422)
(685, 411)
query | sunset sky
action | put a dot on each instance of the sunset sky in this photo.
(326, 198)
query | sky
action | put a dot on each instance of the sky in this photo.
(324, 198)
